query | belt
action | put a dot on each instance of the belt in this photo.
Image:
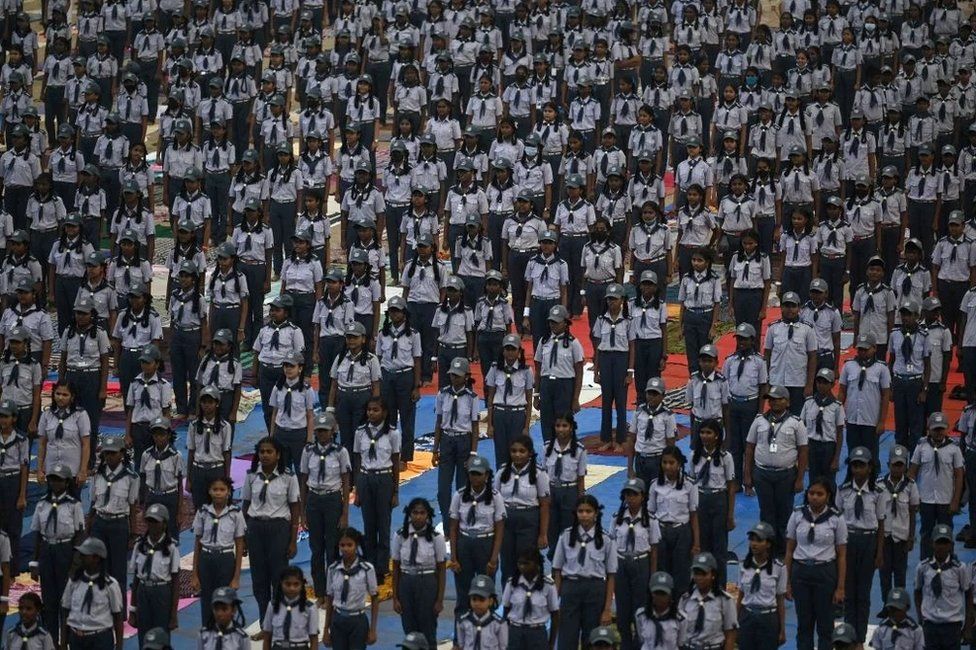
(862, 531)
(526, 626)
(397, 204)
(7, 473)
(92, 369)
(397, 371)
(217, 550)
(376, 472)
(833, 256)
(229, 305)
(888, 226)
(164, 492)
(599, 282)
(455, 434)
(711, 490)
(524, 251)
(216, 171)
(649, 456)
(348, 612)
(522, 508)
(213, 465)
(55, 542)
(155, 583)
(186, 329)
(352, 389)
(739, 398)
(563, 484)
(45, 230)
(78, 632)
(921, 200)
(111, 517)
(633, 558)
(323, 493)
(577, 234)
(479, 535)
(506, 407)
(907, 377)
(774, 469)
(699, 310)
(814, 562)
(672, 524)
(761, 610)
(453, 346)
(423, 572)
(864, 237)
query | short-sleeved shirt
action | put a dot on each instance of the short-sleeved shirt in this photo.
(113, 492)
(817, 536)
(100, 613)
(902, 497)
(376, 446)
(597, 563)
(67, 520)
(673, 503)
(777, 440)
(155, 562)
(772, 584)
(874, 507)
(823, 418)
(487, 512)
(863, 403)
(429, 553)
(956, 578)
(356, 373)
(720, 617)
(358, 582)
(270, 496)
(937, 464)
(302, 622)
(789, 343)
(219, 530)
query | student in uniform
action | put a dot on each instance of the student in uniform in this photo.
(93, 605)
(700, 293)
(524, 487)
(454, 323)
(761, 592)
(228, 293)
(271, 509)
(219, 529)
(59, 522)
(20, 380)
(276, 340)
(155, 568)
(649, 317)
(292, 402)
(508, 394)
(558, 370)
(85, 368)
(943, 592)
(613, 336)
(209, 439)
(114, 494)
(333, 311)
(221, 370)
(897, 629)
(355, 380)
(419, 556)
(530, 601)
(190, 334)
(149, 397)
(790, 349)
(874, 306)
(707, 391)
(864, 506)
(493, 316)
(292, 619)
(254, 241)
(749, 276)
(776, 460)
(28, 313)
(477, 526)
(455, 430)
(937, 467)
(223, 627)
(30, 633)
(423, 281)
(565, 460)
(136, 327)
(14, 466)
(816, 563)
(584, 570)
(66, 267)
(351, 579)
(637, 534)
(909, 359)
(940, 345)
(652, 429)
(673, 499)
(710, 616)
(714, 472)
(546, 284)
(746, 376)
(480, 627)
(658, 623)
(823, 416)
(162, 471)
(899, 533)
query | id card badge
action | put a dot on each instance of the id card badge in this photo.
(910, 368)
(773, 447)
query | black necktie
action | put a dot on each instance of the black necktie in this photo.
(756, 583)
(813, 521)
(936, 583)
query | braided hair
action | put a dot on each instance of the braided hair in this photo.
(675, 453)
(591, 501)
(279, 595)
(574, 441)
(525, 441)
(698, 447)
(428, 531)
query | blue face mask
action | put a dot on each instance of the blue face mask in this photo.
(752, 81)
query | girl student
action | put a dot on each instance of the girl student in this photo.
(750, 279)
(351, 580)
(301, 278)
(292, 618)
(190, 334)
(84, 362)
(93, 604)
(273, 343)
(816, 562)
(155, 568)
(419, 560)
(367, 237)
(474, 253)
(149, 397)
(162, 471)
(864, 506)
(700, 293)
(272, 512)
(524, 487)
(114, 495)
(565, 461)
(138, 326)
(456, 430)
(221, 370)
(324, 479)
(697, 227)
(899, 531)
(223, 627)
(314, 220)
(292, 402)
(64, 432)
(651, 245)
(399, 350)
(761, 593)
(710, 617)
(657, 623)
(329, 319)
(66, 268)
(20, 380)
(364, 291)
(714, 473)
(132, 218)
(800, 255)
(508, 393)
(673, 499)
(481, 626)
(493, 315)
(14, 463)
(18, 264)
(455, 326)
(530, 600)
(355, 379)
(59, 522)
(559, 370)
(97, 287)
(127, 268)
(477, 527)
(209, 439)
(377, 460)
(637, 534)
(652, 430)
(227, 293)
(254, 241)
(186, 249)
(218, 550)
(584, 570)
(613, 360)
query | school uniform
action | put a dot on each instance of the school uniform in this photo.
(814, 572)
(549, 277)
(147, 399)
(713, 473)
(291, 623)
(529, 606)
(218, 534)
(20, 378)
(902, 635)
(188, 316)
(789, 345)
(584, 562)
(293, 402)
(154, 566)
(658, 631)
(35, 319)
(902, 496)
(673, 503)
(557, 357)
(122, 274)
(377, 446)
(348, 589)
(267, 502)
(760, 588)
(864, 508)
(493, 318)
(420, 555)
(424, 281)
(457, 411)
(910, 349)
(35, 637)
(824, 420)
(162, 473)
(476, 515)
(226, 294)
(363, 291)
(113, 493)
(706, 618)
(936, 467)
(944, 587)
(354, 377)
(865, 384)
(224, 373)
(913, 282)
(273, 343)
(698, 294)
(92, 603)
(454, 324)
(523, 501)
(614, 338)
(508, 407)
(777, 442)
(574, 221)
(635, 540)
(58, 521)
(798, 250)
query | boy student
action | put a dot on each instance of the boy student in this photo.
(909, 359)
(865, 390)
(937, 466)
